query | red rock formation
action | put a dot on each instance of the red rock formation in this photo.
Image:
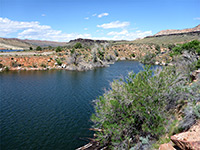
(168, 32)
(189, 140)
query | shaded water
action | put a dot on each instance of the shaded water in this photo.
(47, 110)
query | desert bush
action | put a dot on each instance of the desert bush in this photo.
(148, 58)
(58, 49)
(38, 48)
(1, 65)
(198, 64)
(43, 65)
(158, 48)
(137, 106)
(101, 54)
(116, 53)
(75, 58)
(192, 47)
(72, 51)
(59, 62)
(78, 45)
(132, 55)
(14, 64)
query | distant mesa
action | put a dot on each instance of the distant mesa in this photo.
(183, 31)
(87, 41)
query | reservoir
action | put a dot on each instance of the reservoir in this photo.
(50, 110)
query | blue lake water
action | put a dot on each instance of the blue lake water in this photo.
(50, 110)
(5, 50)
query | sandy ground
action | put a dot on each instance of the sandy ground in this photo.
(24, 53)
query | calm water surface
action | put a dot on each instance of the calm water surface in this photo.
(50, 110)
(5, 50)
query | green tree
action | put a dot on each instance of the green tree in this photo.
(30, 48)
(38, 48)
(78, 45)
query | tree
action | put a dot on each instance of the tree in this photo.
(58, 49)
(38, 48)
(30, 48)
(78, 45)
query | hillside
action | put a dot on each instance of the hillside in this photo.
(14, 43)
(44, 43)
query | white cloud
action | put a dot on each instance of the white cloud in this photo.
(85, 28)
(103, 14)
(115, 24)
(43, 15)
(94, 15)
(198, 18)
(125, 35)
(86, 18)
(123, 32)
(33, 30)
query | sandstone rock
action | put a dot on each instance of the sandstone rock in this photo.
(168, 32)
(166, 147)
(189, 140)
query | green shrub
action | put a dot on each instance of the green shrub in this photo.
(59, 62)
(43, 65)
(148, 58)
(58, 49)
(78, 45)
(171, 46)
(116, 53)
(7, 68)
(198, 64)
(193, 47)
(72, 51)
(136, 107)
(1, 65)
(101, 54)
(132, 55)
(158, 48)
(38, 48)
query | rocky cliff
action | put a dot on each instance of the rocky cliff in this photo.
(172, 31)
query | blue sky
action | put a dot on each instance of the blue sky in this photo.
(63, 20)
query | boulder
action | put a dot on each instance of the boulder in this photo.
(166, 146)
(189, 140)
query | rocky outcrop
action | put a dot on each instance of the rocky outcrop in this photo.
(166, 146)
(87, 41)
(189, 140)
(171, 31)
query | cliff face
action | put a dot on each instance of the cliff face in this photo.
(171, 31)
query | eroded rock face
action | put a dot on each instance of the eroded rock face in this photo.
(168, 32)
(189, 140)
(166, 147)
